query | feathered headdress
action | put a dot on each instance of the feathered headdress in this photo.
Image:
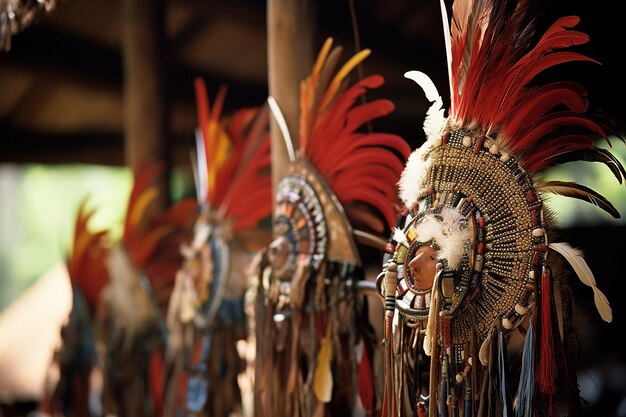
(233, 187)
(142, 269)
(356, 170)
(338, 190)
(480, 166)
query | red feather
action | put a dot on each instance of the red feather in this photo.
(346, 158)
(550, 123)
(551, 150)
(86, 264)
(362, 216)
(539, 101)
(243, 181)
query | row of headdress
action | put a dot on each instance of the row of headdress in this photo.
(210, 310)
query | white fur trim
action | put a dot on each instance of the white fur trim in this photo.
(411, 180)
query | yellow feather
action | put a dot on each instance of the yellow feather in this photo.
(321, 58)
(323, 379)
(141, 204)
(341, 75)
(221, 151)
(81, 244)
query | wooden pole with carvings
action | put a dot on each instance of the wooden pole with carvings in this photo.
(290, 43)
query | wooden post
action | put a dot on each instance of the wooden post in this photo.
(145, 116)
(290, 39)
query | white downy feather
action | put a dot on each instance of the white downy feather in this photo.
(410, 184)
(399, 237)
(449, 233)
(576, 260)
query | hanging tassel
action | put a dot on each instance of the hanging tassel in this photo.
(443, 387)
(365, 378)
(527, 377)
(546, 374)
(467, 412)
(416, 373)
(503, 378)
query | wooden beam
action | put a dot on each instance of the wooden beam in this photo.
(58, 57)
(145, 116)
(85, 147)
(290, 39)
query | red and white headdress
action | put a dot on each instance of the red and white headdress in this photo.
(475, 194)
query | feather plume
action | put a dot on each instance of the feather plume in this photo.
(573, 190)
(126, 297)
(361, 216)
(238, 161)
(330, 119)
(446, 38)
(575, 258)
(494, 65)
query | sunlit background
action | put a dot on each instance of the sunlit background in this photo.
(38, 207)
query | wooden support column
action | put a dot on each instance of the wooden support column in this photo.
(145, 116)
(290, 40)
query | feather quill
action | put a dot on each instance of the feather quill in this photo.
(447, 40)
(282, 124)
(575, 258)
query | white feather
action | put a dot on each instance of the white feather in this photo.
(435, 120)
(448, 41)
(201, 169)
(282, 125)
(576, 260)
(483, 352)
